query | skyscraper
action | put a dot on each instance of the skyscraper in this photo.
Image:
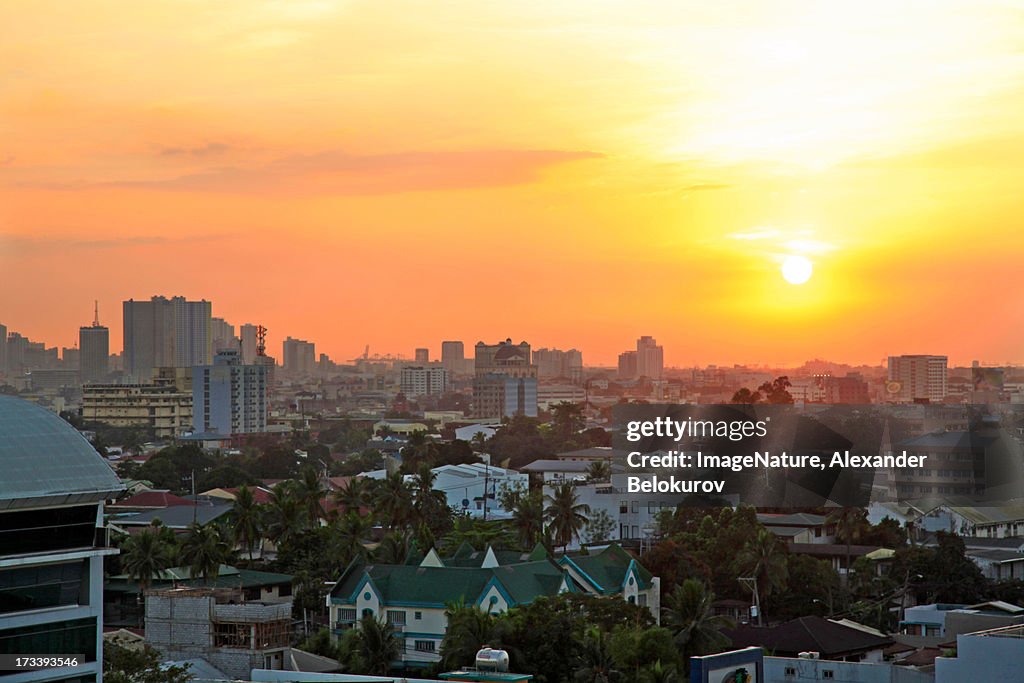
(555, 363)
(504, 381)
(94, 351)
(249, 336)
(165, 332)
(299, 356)
(423, 355)
(650, 358)
(3, 348)
(222, 336)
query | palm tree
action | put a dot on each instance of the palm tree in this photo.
(596, 663)
(566, 515)
(145, 556)
(688, 614)
(354, 496)
(392, 499)
(469, 629)
(528, 519)
(205, 550)
(850, 524)
(599, 470)
(660, 673)
(282, 516)
(377, 645)
(310, 491)
(764, 559)
(348, 534)
(246, 514)
(393, 548)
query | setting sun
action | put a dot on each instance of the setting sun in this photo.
(797, 269)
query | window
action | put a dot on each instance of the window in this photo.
(623, 507)
(651, 507)
(417, 615)
(347, 614)
(790, 671)
(29, 588)
(396, 617)
(636, 506)
(828, 675)
(641, 599)
(425, 646)
(67, 637)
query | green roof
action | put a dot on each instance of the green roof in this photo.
(607, 568)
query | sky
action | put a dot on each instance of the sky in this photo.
(395, 173)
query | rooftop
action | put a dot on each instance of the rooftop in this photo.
(44, 460)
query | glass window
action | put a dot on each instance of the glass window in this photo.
(29, 588)
(396, 617)
(425, 646)
(76, 637)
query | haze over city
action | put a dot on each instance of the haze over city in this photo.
(340, 172)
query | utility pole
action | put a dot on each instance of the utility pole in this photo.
(751, 583)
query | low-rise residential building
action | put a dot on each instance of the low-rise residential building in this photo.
(997, 654)
(413, 597)
(472, 488)
(161, 407)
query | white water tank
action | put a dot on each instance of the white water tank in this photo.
(488, 659)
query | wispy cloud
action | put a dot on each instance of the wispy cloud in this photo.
(337, 172)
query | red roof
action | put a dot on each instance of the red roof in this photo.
(154, 499)
(260, 495)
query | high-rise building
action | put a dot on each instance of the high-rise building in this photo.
(51, 541)
(493, 395)
(162, 406)
(222, 336)
(917, 378)
(250, 339)
(650, 358)
(165, 332)
(627, 365)
(94, 351)
(299, 357)
(554, 363)
(422, 356)
(229, 397)
(418, 380)
(3, 349)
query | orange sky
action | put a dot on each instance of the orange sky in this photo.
(398, 173)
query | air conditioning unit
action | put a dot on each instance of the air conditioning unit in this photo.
(810, 655)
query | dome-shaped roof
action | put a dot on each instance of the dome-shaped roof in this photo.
(44, 460)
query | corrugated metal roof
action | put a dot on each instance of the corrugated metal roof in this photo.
(43, 459)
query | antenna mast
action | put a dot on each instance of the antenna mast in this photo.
(96, 314)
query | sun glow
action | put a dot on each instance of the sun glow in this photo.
(797, 270)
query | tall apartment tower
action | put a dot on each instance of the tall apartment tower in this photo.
(249, 336)
(299, 356)
(422, 356)
(165, 332)
(3, 349)
(504, 380)
(650, 358)
(453, 357)
(555, 363)
(93, 351)
(222, 336)
(229, 397)
(917, 378)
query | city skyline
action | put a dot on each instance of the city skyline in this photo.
(669, 172)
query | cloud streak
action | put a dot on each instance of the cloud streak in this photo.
(337, 172)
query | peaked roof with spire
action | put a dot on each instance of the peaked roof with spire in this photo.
(431, 579)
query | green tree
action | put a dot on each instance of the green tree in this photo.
(282, 516)
(688, 614)
(377, 645)
(776, 390)
(764, 558)
(745, 395)
(145, 555)
(599, 527)
(392, 500)
(850, 525)
(205, 550)
(566, 515)
(595, 663)
(528, 519)
(247, 520)
(469, 629)
(599, 471)
(310, 492)
(129, 665)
